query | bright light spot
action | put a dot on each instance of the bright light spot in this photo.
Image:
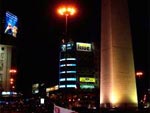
(42, 100)
(12, 70)
(101, 99)
(69, 100)
(113, 99)
(66, 11)
(139, 74)
(11, 79)
(133, 98)
(11, 82)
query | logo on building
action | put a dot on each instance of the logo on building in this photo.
(83, 47)
(87, 79)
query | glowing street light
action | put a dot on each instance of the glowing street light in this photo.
(12, 71)
(66, 11)
(139, 74)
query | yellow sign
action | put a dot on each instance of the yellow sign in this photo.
(83, 47)
(87, 79)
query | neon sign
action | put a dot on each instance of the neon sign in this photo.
(87, 79)
(83, 47)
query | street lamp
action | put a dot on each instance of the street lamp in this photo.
(13, 71)
(139, 74)
(66, 11)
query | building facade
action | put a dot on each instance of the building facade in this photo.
(8, 35)
(77, 74)
(76, 66)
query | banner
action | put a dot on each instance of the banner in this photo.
(58, 109)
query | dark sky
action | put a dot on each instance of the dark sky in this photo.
(41, 29)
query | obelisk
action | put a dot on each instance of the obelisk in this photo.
(117, 74)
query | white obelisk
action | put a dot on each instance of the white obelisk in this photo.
(117, 74)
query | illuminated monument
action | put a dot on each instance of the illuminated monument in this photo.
(117, 85)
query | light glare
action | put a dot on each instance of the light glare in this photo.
(66, 11)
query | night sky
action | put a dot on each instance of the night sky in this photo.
(41, 29)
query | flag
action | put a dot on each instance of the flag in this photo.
(58, 109)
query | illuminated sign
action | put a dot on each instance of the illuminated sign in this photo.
(8, 93)
(63, 47)
(67, 46)
(52, 88)
(83, 47)
(87, 79)
(35, 88)
(86, 86)
(11, 26)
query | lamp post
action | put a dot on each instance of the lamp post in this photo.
(66, 11)
(140, 85)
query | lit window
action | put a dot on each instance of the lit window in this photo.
(62, 79)
(62, 72)
(62, 59)
(67, 59)
(62, 65)
(71, 71)
(71, 86)
(68, 44)
(71, 64)
(62, 86)
(71, 79)
(71, 58)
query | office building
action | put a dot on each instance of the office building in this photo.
(76, 66)
(8, 35)
(78, 74)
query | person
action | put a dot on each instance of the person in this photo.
(14, 31)
(8, 29)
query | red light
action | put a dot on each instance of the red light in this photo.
(11, 80)
(69, 100)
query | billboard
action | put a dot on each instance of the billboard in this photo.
(11, 24)
(87, 47)
(87, 79)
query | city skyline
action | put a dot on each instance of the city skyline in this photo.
(36, 45)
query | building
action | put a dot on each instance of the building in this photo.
(78, 78)
(76, 66)
(8, 35)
